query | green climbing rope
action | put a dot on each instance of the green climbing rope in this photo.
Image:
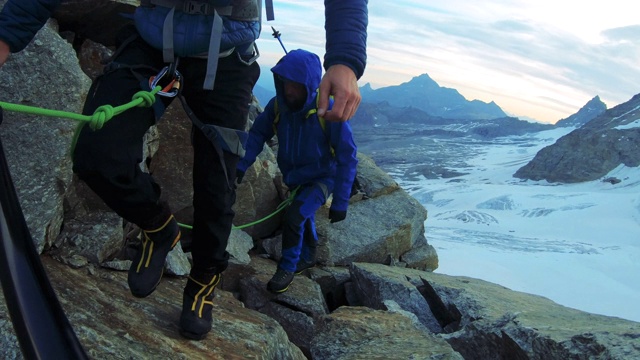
(100, 116)
(280, 207)
(105, 113)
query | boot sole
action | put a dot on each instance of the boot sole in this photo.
(192, 336)
(298, 272)
(278, 291)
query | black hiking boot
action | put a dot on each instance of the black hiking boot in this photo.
(304, 265)
(280, 281)
(148, 263)
(308, 263)
(197, 304)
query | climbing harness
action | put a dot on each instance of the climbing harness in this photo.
(222, 138)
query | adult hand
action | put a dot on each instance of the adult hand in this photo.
(339, 81)
(337, 215)
(4, 52)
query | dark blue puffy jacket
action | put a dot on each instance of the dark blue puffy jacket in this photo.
(304, 147)
(346, 27)
(20, 20)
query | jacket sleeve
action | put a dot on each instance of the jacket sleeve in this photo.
(20, 20)
(261, 131)
(341, 138)
(346, 26)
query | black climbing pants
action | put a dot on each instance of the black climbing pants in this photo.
(108, 159)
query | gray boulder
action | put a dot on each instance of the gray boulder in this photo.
(37, 147)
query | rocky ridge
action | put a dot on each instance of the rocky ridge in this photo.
(355, 305)
(592, 150)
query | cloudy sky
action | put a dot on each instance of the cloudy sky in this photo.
(538, 59)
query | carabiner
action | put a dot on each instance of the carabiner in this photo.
(172, 86)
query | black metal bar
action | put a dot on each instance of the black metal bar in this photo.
(42, 328)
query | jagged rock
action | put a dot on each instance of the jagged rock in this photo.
(91, 56)
(373, 180)
(482, 320)
(333, 283)
(591, 151)
(421, 256)
(111, 324)
(238, 246)
(259, 195)
(376, 285)
(477, 319)
(37, 147)
(97, 236)
(374, 229)
(363, 333)
(592, 109)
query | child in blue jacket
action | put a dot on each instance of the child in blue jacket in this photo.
(318, 157)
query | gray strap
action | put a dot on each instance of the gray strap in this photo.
(231, 139)
(269, 8)
(167, 37)
(214, 50)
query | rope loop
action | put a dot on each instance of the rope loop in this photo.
(148, 99)
(102, 114)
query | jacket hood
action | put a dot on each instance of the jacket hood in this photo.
(300, 66)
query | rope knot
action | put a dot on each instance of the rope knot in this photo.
(102, 114)
(148, 99)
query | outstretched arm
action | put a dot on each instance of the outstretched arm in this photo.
(4, 52)
(345, 59)
(20, 20)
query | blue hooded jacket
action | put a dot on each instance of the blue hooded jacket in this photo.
(304, 147)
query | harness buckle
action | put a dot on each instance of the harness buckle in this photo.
(195, 7)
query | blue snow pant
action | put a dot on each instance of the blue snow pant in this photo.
(299, 236)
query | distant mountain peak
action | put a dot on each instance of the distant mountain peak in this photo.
(423, 80)
(592, 109)
(366, 87)
(423, 93)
